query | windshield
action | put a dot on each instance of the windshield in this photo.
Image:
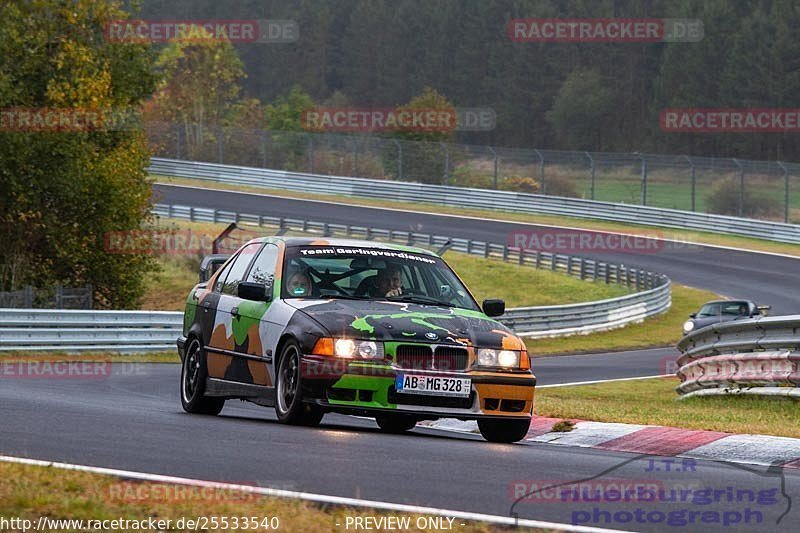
(724, 308)
(371, 274)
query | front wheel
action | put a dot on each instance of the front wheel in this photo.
(395, 423)
(289, 405)
(193, 382)
(506, 431)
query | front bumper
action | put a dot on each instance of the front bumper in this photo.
(361, 387)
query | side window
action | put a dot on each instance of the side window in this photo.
(263, 270)
(222, 275)
(239, 267)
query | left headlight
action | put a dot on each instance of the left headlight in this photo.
(503, 358)
(349, 348)
(688, 326)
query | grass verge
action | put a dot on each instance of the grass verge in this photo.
(654, 402)
(697, 237)
(661, 330)
(519, 285)
(29, 492)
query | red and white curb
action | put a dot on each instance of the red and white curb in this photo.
(655, 440)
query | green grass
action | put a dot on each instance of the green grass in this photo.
(523, 286)
(29, 492)
(697, 237)
(492, 278)
(661, 330)
(654, 402)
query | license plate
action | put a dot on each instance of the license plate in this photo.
(433, 385)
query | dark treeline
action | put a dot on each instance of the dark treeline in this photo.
(591, 96)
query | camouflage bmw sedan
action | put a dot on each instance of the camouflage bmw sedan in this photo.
(311, 326)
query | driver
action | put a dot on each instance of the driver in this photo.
(299, 285)
(388, 282)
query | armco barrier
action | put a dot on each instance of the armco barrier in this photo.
(76, 331)
(654, 294)
(476, 198)
(753, 356)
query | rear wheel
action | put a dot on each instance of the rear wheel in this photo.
(495, 430)
(193, 382)
(395, 423)
(289, 405)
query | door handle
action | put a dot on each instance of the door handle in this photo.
(235, 312)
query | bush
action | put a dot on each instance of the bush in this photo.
(724, 200)
(520, 184)
(559, 186)
(464, 177)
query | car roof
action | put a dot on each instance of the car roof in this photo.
(292, 242)
(730, 302)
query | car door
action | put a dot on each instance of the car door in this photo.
(255, 336)
(226, 332)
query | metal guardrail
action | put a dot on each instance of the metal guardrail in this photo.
(544, 321)
(739, 187)
(754, 356)
(477, 198)
(75, 331)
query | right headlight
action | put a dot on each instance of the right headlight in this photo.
(502, 358)
(688, 326)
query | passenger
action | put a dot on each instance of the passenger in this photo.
(300, 285)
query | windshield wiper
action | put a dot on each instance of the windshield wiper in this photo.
(415, 298)
(345, 296)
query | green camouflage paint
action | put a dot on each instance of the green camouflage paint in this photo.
(378, 385)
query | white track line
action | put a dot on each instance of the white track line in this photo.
(603, 381)
(518, 222)
(318, 498)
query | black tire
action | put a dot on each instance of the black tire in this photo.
(193, 382)
(505, 431)
(395, 423)
(289, 405)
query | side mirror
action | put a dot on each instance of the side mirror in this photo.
(257, 292)
(693, 315)
(211, 264)
(492, 307)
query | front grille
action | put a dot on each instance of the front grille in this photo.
(419, 357)
(452, 402)
(448, 358)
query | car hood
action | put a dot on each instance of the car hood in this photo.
(407, 322)
(707, 321)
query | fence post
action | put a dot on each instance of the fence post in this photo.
(538, 259)
(310, 153)
(582, 265)
(505, 252)
(219, 145)
(541, 171)
(446, 163)
(522, 256)
(355, 156)
(27, 296)
(785, 192)
(591, 187)
(741, 186)
(264, 152)
(89, 296)
(693, 182)
(644, 178)
(177, 141)
(59, 296)
(399, 159)
(494, 154)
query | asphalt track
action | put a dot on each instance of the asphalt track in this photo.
(132, 419)
(767, 279)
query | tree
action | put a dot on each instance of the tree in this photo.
(580, 109)
(199, 87)
(63, 191)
